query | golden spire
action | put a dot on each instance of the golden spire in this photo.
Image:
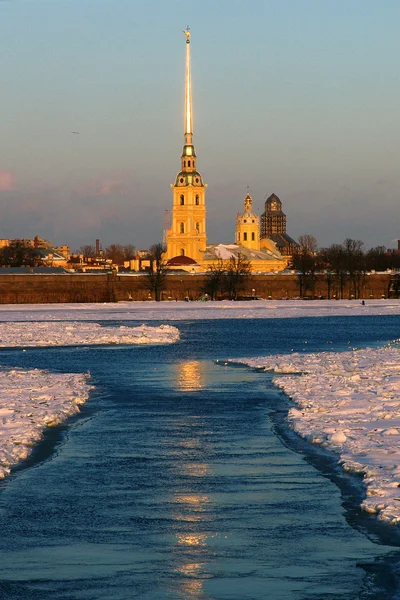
(188, 92)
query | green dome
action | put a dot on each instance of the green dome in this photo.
(194, 178)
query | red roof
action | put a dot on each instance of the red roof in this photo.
(181, 261)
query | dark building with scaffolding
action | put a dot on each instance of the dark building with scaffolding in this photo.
(273, 226)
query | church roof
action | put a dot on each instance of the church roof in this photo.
(188, 178)
(227, 251)
(180, 261)
(273, 197)
(282, 239)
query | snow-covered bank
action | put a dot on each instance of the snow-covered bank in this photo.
(349, 403)
(78, 334)
(176, 311)
(31, 401)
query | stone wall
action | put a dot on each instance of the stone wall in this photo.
(83, 287)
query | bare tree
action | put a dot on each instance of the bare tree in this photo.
(237, 271)
(378, 259)
(115, 252)
(129, 251)
(88, 251)
(333, 261)
(306, 262)
(354, 263)
(157, 274)
(215, 278)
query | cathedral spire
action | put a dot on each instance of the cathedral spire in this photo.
(189, 153)
(188, 126)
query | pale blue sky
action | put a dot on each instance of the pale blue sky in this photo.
(296, 97)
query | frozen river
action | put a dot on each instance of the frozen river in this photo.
(179, 481)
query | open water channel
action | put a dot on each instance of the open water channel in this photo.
(178, 480)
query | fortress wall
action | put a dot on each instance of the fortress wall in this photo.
(77, 287)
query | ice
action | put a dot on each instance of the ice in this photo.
(38, 333)
(31, 401)
(175, 311)
(349, 403)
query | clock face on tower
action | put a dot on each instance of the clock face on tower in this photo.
(274, 205)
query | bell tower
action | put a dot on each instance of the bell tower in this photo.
(248, 226)
(187, 236)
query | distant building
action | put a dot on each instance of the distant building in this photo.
(273, 226)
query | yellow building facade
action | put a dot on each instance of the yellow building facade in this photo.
(248, 226)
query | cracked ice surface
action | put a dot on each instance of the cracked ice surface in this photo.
(31, 401)
(80, 333)
(349, 403)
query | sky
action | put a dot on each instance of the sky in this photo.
(296, 97)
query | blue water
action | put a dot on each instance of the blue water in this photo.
(179, 481)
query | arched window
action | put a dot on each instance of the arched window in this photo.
(238, 236)
(245, 237)
(182, 227)
(253, 236)
(184, 163)
(197, 200)
(182, 200)
(182, 252)
(188, 163)
(198, 227)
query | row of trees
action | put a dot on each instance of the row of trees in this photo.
(340, 264)
(116, 252)
(227, 277)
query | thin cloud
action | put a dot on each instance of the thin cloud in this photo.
(7, 181)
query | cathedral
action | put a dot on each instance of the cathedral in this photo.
(186, 240)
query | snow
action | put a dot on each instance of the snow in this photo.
(348, 403)
(31, 401)
(78, 333)
(176, 311)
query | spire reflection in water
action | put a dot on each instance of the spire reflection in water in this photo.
(190, 376)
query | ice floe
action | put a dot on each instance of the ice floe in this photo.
(349, 403)
(31, 401)
(77, 333)
(175, 311)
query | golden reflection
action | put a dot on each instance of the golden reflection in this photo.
(192, 588)
(197, 500)
(192, 507)
(190, 376)
(197, 469)
(191, 539)
(190, 568)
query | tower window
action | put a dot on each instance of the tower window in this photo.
(188, 163)
(182, 200)
(253, 236)
(238, 236)
(244, 221)
(197, 180)
(245, 236)
(197, 200)
(181, 180)
(182, 227)
(182, 252)
(184, 163)
(198, 227)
